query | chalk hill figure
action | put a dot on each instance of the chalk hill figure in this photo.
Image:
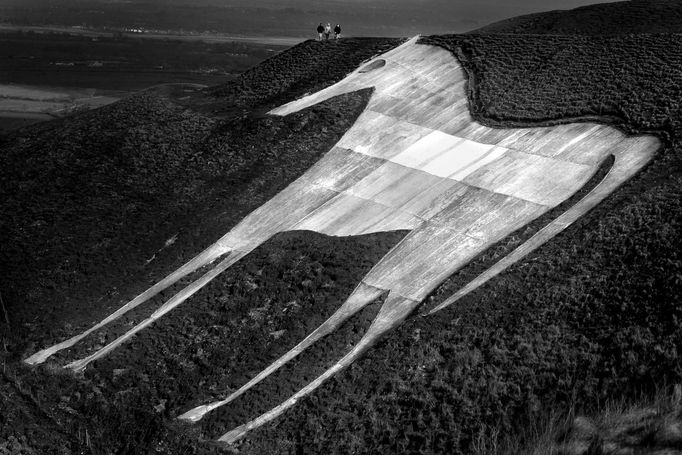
(414, 160)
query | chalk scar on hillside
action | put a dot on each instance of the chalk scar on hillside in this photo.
(414, 160)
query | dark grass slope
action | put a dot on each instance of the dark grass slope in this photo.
(632, 81)
(638, 16)
(229, 331)
(305, 68)
(87, 206)
(594, 315)
(104, 190)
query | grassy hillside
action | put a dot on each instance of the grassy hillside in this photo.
(637, 16)
(97, 206)
(86, 202)
(590, 317)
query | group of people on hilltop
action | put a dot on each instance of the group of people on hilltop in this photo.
(326, 30)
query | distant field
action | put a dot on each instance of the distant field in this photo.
(79, 72)
(121, 63)
(293, 18)
(166, 35)
(25, 105)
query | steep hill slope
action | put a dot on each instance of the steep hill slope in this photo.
(635, 16)
(593, 314)
(114, 196)
(588, 317)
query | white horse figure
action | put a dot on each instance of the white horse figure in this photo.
(414, 160)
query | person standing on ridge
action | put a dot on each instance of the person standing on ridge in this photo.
(320, 31)
(337, 31)
(327, 31)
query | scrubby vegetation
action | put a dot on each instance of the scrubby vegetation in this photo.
(305, 68)
(591, 317)
(627, 425)
(637, 17)
(632, 80)
(96, 206)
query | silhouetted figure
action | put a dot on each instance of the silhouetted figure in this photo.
(337, 31)
(327, 31)
(320, 31)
